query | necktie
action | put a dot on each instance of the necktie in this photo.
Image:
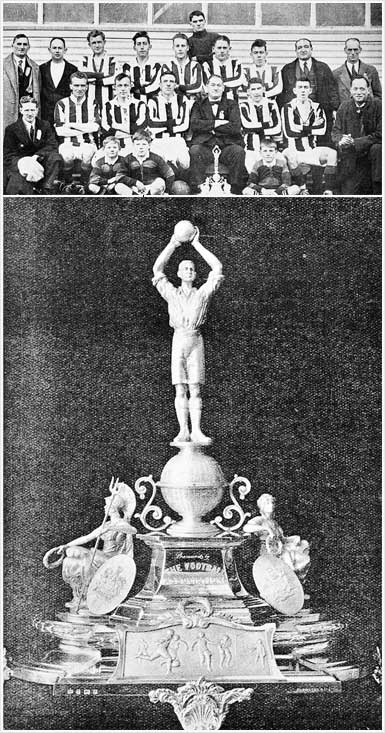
(32, 133)
(223, 72)
(359, 111)
(306, 69)
(169, 118)
(354, 72)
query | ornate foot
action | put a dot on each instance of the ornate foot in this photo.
(201, 705)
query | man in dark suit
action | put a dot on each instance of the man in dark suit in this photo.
(353, 67)
(31, 159)
(55, 78)
(324, 87)
(216, 120)
(357, 133)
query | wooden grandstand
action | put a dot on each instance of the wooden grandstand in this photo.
(328, 41)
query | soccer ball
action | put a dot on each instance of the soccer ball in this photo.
(184, 231)
(180, 188)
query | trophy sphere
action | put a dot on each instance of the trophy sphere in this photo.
(184, 231)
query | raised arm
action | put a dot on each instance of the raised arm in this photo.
(209, 257)
(161, 261)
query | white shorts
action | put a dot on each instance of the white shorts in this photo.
(187, 357)
(315, 156)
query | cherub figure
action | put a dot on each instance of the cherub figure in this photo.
(81, 563)
(292, 550)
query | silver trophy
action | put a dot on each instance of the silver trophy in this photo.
(193, 623)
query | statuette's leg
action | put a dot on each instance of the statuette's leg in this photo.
(182, 411)
(195, 405)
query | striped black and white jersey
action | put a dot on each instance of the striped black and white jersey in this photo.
(258, 121)
(270, 76)
(145, 78)
(100, 90)
(189, 76)
(129, 115)
(302, 124)
(168, 117)
(231, 73)
(69, 111)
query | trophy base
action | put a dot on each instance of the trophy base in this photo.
(185, 569)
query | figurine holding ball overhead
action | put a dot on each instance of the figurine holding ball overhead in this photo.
(187, 307)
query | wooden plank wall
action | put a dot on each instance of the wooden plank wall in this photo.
(328, 44)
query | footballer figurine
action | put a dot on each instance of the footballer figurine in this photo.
(187, 307)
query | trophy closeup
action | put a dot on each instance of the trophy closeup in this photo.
(193, 625)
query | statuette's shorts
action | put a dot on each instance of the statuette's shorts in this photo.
(187, 357)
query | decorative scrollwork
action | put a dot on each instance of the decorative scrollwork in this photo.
(201, 705)
(150, 508)
(243, 485)
(194, 617)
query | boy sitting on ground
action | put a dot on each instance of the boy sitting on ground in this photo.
(108, 174)
(147, 173)
(270, 175)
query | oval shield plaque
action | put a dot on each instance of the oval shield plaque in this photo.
(111, 584)
(278, 584)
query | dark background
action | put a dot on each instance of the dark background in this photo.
(292, 401)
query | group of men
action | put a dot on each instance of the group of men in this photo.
(145, 127)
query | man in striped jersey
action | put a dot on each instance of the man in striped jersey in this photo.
(144, 73)
(123, 115)
(260, 118)
(303, 121)
(100, 68)
(260, 69)
(76, 124)
(168, 120)
(188, 73)
(228, 69)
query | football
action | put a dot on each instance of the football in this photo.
(184, 231)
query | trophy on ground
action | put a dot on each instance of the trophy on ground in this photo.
(193, 623)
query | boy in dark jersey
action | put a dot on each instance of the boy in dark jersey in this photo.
(270, 175)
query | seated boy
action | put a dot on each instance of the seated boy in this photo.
(108, 174)
(303, 121)
(270, 175)
(259, 117)
(147, 173)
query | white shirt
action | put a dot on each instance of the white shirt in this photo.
(353, 67)
(29, 127)
(19, 62)
(57, 71)
(308, 64)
